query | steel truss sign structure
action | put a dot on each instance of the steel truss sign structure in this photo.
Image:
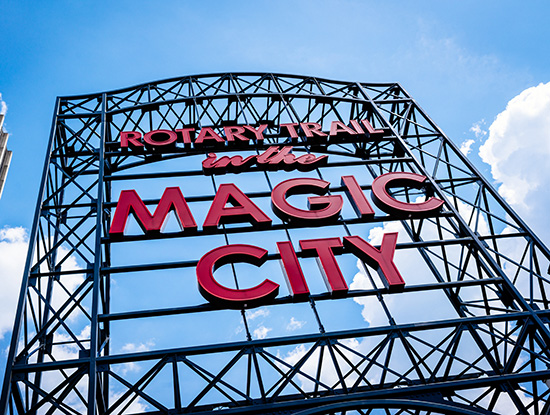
(208, 243)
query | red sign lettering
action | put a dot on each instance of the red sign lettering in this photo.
(213, 291)
(160, 138)
(291, 128)
(210, 136)
(272, 158)
(231, 205)
(293, 272)
(324, 248)
(207, 136)
(130, 137)
(312, 128)
(358, 199)
(374, 134)
(130, 202)
(321, 207)
(389, 204)
(381, 260)
(338, 128)
(243, 209)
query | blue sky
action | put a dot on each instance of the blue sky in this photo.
(463, 61)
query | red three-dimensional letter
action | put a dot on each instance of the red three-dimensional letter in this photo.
(213, 291)
(130, 137)
(332, 274)
(292, 270)
(321, 207)
(389, 204)
(243, 208)
(381, 260)
(130, 202)
(358, 199)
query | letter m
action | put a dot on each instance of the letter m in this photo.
(130, 202)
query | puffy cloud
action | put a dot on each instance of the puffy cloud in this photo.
(261, 332)
(404, 308)
(136, 406)
(466, 146)
(13, 254)
(65, 349)
(329, 374)
(518, 149)
(260, 312)
(141, 347)
(479, 129)
(410, 307)
(13, 251)
(125, 368)
(295, 324)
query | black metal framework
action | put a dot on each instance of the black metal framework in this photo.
(468, 335)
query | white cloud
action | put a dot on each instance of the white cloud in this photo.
(141, 347)
(404, 308)
(71, 282)
(65, 349)
(329, 374)
(70, 351)
(137, 405)
(295, 354)
(13, 254)
(13, 251)
(3, 106)
(479, 129)
(261, 332)
(295, 324)
(260, 312)
(125, 368)
(518, 149)
(240, 328)
(466, 146)
(409, 307)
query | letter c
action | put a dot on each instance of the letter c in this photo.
(216, 293)
(389, 204)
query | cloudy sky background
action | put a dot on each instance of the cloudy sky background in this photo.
(481, 71)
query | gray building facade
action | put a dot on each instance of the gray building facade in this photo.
(5, 155)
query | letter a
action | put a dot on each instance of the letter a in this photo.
(243, 209)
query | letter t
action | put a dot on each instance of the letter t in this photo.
(381, 260)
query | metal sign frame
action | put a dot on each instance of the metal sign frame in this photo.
(482, 258)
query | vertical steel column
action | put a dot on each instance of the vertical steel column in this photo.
(94, 334)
